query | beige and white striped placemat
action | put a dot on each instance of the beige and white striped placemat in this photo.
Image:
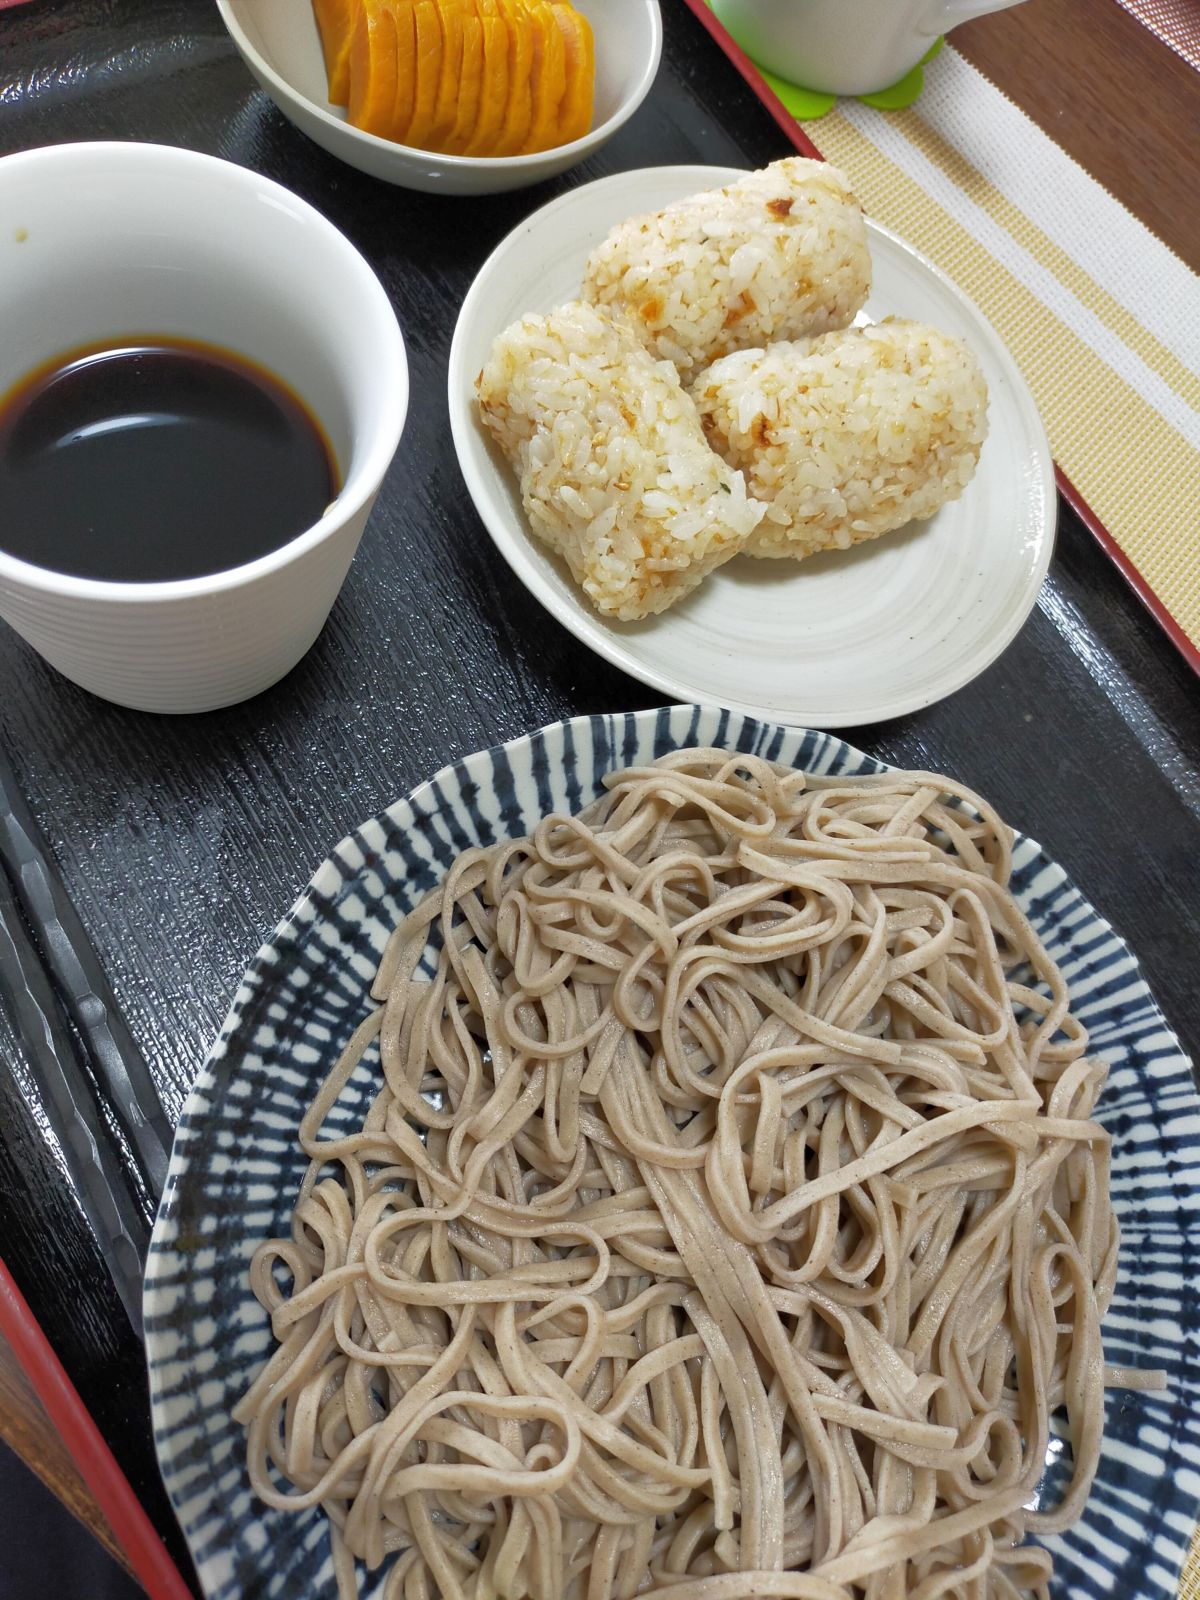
(1100, 314)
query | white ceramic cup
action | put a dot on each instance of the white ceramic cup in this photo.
(100, 241)
(844, 46)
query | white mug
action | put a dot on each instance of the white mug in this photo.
(844, 46)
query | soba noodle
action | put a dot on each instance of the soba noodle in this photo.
(730, 1219)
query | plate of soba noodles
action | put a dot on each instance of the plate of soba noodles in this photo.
(674, 1155)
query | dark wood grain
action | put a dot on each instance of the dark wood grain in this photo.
(1112, 94)
(27, 1430)
(182, 841)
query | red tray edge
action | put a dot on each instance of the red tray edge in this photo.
(135, 1533)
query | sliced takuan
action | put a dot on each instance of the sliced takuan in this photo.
(451, 12)
(406, 67)
(335, 20)
(576, 116)
(372, 102)
(471, 86)
(549, 79)
(518, 114)
(429, 71)
(493, 97)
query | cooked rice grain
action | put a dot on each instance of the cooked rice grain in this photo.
(616, 475)
(780, 254)
(849, 435)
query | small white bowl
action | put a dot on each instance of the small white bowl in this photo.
(102, 241)
(280, 44)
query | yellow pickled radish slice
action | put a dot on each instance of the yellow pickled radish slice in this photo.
(493, 96)
(372, 97)
(428, 22)
(518, 114)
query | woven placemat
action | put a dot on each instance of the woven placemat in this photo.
(1189, 1582)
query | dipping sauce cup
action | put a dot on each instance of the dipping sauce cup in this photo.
(104, 241)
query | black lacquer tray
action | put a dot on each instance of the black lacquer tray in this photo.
(144, 858)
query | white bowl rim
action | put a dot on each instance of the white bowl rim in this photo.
(363, 478)
(535, 158)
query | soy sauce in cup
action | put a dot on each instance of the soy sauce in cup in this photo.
(150, 458)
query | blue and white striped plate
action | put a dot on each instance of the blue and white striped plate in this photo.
(236, 1164)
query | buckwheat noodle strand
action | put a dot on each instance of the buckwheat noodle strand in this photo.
(730, 1219)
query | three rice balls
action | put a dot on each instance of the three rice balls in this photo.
(707, 396)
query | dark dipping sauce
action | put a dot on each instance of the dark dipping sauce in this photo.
(146, 459)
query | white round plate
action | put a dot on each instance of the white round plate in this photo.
(842, 638)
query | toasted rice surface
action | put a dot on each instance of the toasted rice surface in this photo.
(616, 474)
(780, 254)
(849, 435)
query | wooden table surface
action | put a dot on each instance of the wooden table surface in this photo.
(1112, 94)
(27, 1430)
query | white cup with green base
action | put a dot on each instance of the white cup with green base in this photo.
(844, 47)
